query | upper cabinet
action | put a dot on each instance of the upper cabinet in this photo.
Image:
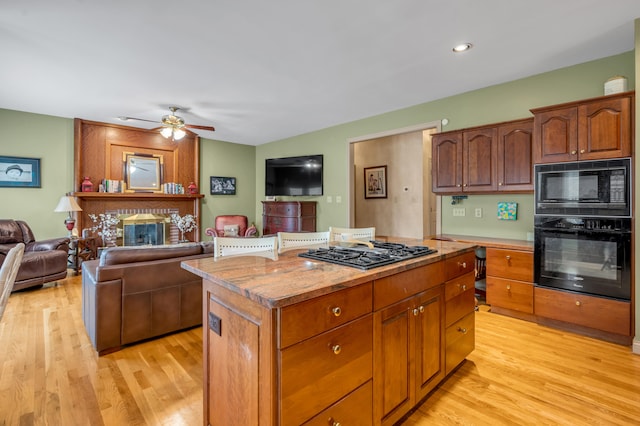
(592, 129)
(484, 159)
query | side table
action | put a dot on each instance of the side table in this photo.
(81, 249)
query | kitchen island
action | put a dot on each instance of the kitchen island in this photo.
(291, 341)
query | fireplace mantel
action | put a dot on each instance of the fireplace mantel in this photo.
(135, 196)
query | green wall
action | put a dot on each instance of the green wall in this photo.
(50, 139)
(493, 104)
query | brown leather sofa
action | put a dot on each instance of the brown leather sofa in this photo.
(136, 293)
(42, 262)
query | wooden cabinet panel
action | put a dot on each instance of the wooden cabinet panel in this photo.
(458, 286)
(288, 216)
(408, 354)
(461, 305)
(446, 170)
(479, 156)
(511, 264)
(460, 340)
(515, 156)
(608, 315)
(604, 129)
(354, 409)
(459, 265)
(392, 289)
(336, 362)
(510, 294)
(306, 319)
(591, 129)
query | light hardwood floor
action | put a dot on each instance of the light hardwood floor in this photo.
(519, 374)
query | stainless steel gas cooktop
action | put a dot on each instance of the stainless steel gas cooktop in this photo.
(366, 258)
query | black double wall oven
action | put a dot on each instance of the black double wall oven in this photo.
(582, 227)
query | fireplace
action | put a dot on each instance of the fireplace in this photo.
(145, 227)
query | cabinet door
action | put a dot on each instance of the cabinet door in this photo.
(446, 161)
(429, 334)
(515, 156)
(555, 135)
(479, 154)
(604, 129)
(393, 395)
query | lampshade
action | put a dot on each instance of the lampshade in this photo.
(67, 204)
(174, 133)
(166, 132)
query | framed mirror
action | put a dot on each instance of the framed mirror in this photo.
(143, 172)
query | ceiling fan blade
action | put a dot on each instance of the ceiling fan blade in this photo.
(137, 119)
(195, 126)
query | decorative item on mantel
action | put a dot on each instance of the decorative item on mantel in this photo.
(186, 223)
(616, 84)
(193, 188)
(106, 226)
(86, 186)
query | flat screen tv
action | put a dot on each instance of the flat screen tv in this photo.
(293, 176)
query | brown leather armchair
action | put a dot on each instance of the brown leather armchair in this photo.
(232, 226)
(42, 262)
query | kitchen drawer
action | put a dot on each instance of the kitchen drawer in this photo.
(460, 306)
(510, 294)
(314, 316)
(394, 288)
(460, 341)
(354, 409)
(512, 264)
(460, 265)
(319, 371)
(280, 223)
(608, 315)
(458, 286)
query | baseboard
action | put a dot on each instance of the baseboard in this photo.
(636, 347)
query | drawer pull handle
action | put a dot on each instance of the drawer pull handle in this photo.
(336, 349)
(573, 152)
(336, 311)
(333, 422)
(582, 151)
(463, 265)
(509, 287)
(508, 258)
(415, 312)
(462, 330)
(421, 309)
(464, 287)
(578, 303)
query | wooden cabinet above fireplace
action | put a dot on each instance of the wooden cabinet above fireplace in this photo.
(99, 152)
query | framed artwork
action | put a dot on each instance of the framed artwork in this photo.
(375, 182)
(223, 185)
(507, 211)
(143, 172)
(19, 172)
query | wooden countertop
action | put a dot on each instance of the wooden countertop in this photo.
(290, 279)
(501, 243)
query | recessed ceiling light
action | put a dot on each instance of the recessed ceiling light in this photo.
(462, 47)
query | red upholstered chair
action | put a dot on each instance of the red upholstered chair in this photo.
(232, 226)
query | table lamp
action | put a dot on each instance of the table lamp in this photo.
(68, 204)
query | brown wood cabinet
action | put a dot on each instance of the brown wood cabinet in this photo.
(510, 281)
(591, 129)
(484, 159)
(288, 216)
(365, 354)
(459, 309)
(595, 313)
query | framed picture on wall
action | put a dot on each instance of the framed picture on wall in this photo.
(375, 182)
(142, 172)
(223, 185)
(19, 172)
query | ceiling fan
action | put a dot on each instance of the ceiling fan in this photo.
(173, 126)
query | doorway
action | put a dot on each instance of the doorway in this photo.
(409, 208)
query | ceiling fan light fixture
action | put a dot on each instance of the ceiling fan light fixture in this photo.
(178, 134)
(166, 132)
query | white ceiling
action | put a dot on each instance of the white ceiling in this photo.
(260, 71)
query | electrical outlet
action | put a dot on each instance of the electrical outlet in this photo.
(459, 211)
(329, 199)
(478, 211)
(338, 199)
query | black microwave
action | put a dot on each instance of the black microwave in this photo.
(600, 188)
